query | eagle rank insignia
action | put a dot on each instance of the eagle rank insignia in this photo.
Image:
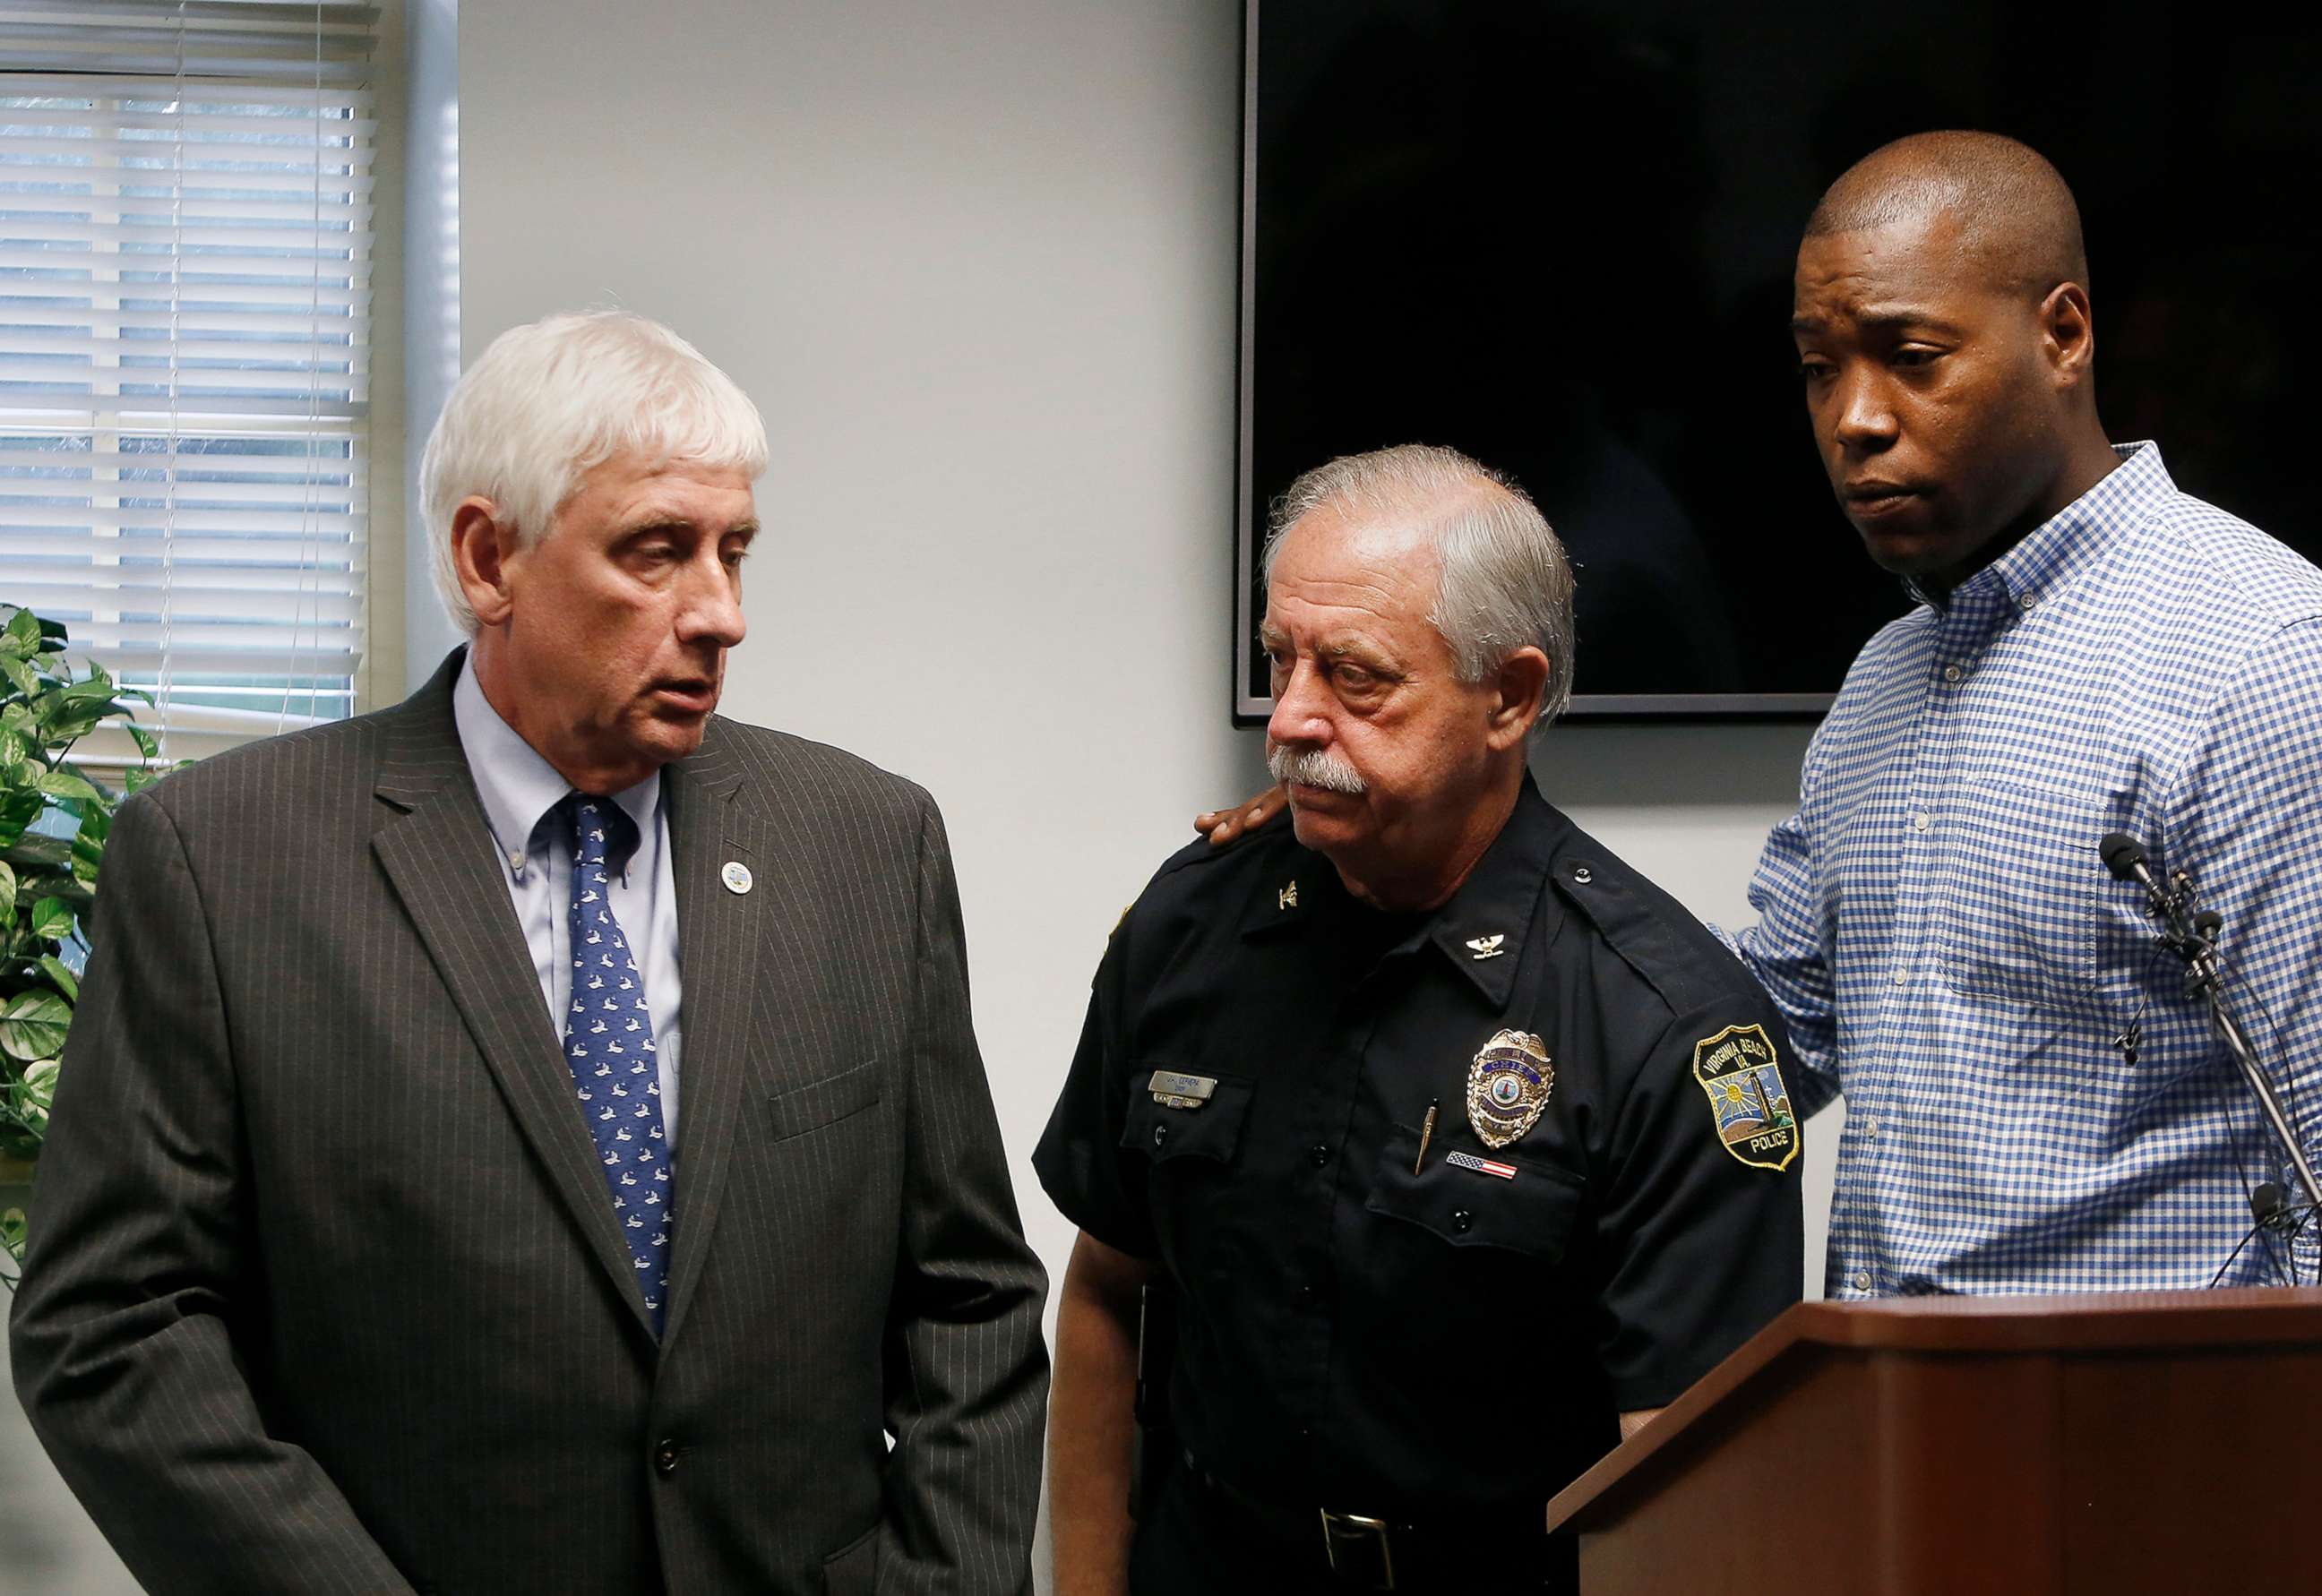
(1507, 1087)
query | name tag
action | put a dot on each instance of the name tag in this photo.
(1174, 1090)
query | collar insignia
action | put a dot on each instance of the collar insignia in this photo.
(1488, 947)
(1287, 898)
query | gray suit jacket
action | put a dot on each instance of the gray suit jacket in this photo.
(326, 1292)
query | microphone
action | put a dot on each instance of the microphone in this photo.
(2121, 854)
(2124, 857)
(2269, 1204)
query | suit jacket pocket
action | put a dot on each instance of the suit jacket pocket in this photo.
(808, 1107)
(854, 1569)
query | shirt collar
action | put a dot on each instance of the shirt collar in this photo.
(2075, 537)
(518, 786)
(1483, 928)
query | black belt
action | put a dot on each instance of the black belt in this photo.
(1363, 1553)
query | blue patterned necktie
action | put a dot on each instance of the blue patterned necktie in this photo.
(608, 1042)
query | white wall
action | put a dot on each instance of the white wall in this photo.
(977, 265)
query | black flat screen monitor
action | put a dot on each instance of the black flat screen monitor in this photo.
(1560, 238)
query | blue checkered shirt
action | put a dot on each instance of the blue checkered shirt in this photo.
(1951, 953)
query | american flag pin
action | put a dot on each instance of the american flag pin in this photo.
(1482, 1166)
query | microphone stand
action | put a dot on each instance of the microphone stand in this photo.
(2193, 937)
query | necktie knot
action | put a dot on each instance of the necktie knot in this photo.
(604, 837)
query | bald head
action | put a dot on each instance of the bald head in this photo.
(2017, 224)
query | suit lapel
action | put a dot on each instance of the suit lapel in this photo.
(438, 856)
(719, 947)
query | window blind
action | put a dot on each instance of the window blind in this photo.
(185, 267)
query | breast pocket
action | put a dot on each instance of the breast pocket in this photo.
(1190, 1156)
(1533, 1212)
(810, 1107)
(2024, 882)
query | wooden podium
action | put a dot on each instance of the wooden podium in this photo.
(2162, 1442)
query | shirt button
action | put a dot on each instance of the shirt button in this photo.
(1160, 1134)
(1921, 821)
(1871, 1124)
(1901, 978)
(1953, 673)
(2028, 600)
(665, 1458)
(1318, 1154)
(1462, 1220)
(1306, 1295)
(1861, 1280)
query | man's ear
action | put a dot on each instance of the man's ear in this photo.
(483, 547)
(2068, 334)
(1518, 686)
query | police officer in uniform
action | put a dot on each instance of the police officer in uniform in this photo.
(1461, 1147)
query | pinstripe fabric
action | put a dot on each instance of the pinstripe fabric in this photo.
(1950, 951)
(326, 1293)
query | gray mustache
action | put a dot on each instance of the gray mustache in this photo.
(1314, 767)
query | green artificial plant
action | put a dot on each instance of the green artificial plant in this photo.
(53, 820)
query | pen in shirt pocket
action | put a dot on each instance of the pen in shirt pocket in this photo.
(1426, 1135)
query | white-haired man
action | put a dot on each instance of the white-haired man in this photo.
(1461, 1146)
(532, 1138)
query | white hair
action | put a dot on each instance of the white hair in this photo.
(552, 399)
(1504, 582)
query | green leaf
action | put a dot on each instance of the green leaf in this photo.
(21, 676)
(66, 784)
(60, 972)
(40, 851)
(21, 638)
(7, 893)
(146, 746)
(89, 854)
(52, 919)
(97, 687)
(32, 1026)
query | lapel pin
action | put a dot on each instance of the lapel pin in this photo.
(736, 877)
(1488, 947)
(1482, 1166)
(1287, 898)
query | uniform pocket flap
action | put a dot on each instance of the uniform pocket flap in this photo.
(1162, 1131)
(824, 1102)
(1532, 1211)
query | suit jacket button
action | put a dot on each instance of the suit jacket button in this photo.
(1463, 1221)
(665, 1458)
(1160, 1134)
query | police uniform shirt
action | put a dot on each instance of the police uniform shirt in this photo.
(1447, 1337)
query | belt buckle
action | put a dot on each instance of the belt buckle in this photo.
(1358, 1549)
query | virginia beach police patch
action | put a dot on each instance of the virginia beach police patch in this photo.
(1752, 1106)
(1507, 1087)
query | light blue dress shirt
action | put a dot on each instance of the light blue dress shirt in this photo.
(518, 789)
(2036, 1102)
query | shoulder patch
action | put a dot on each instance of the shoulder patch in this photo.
(1748, 1103)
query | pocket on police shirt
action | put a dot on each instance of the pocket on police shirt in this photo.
(1533, 1211)
(1164, 1134)
(2023, 885)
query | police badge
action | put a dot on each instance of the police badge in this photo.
(1507, 1087)
(1747, 1098)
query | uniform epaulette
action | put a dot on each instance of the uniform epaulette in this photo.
(1654, 935)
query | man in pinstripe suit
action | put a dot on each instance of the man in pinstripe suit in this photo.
(532, 1138)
